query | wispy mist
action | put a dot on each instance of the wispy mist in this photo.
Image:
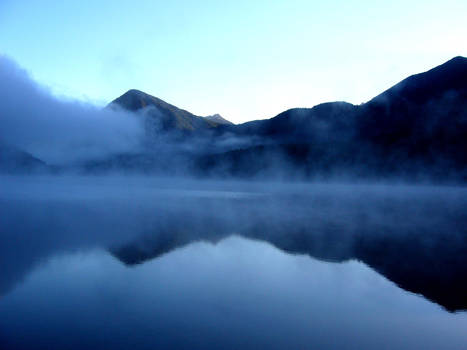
(59, 131)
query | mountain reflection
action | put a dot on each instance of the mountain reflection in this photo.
(419, 245)
(414, 236)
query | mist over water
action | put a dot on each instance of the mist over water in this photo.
(145, 262)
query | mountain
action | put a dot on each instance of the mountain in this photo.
(302, 124)
(217, 118)
(415, 130)
(443, 87)
(424, 115)
(163, 116)
(422, 87)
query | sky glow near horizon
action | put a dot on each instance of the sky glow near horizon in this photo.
(245, 59)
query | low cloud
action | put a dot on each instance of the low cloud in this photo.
(59, 131)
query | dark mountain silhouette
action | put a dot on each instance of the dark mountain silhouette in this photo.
(423, 118)
(411, 101)
(416, 129)
(302, 124)
(423, 87)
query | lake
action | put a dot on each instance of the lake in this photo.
(142, 263)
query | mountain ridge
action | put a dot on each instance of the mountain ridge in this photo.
(171, 116)
(416, 129)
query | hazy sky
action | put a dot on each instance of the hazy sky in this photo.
(243, 59)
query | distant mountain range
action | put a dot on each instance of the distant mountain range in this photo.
(416, 130)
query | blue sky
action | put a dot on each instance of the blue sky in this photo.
(243, 59)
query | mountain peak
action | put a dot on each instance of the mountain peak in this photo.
(134, 100)
(169, 116)
(218, 119)
(419, 88)
(458, 59)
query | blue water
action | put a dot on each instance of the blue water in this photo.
(64, 287)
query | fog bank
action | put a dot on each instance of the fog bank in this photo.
(59, 131)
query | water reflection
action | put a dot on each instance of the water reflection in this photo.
(417, 240)
(57, 277)
(236, 294)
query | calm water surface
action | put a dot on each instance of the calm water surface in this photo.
(137, 263)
